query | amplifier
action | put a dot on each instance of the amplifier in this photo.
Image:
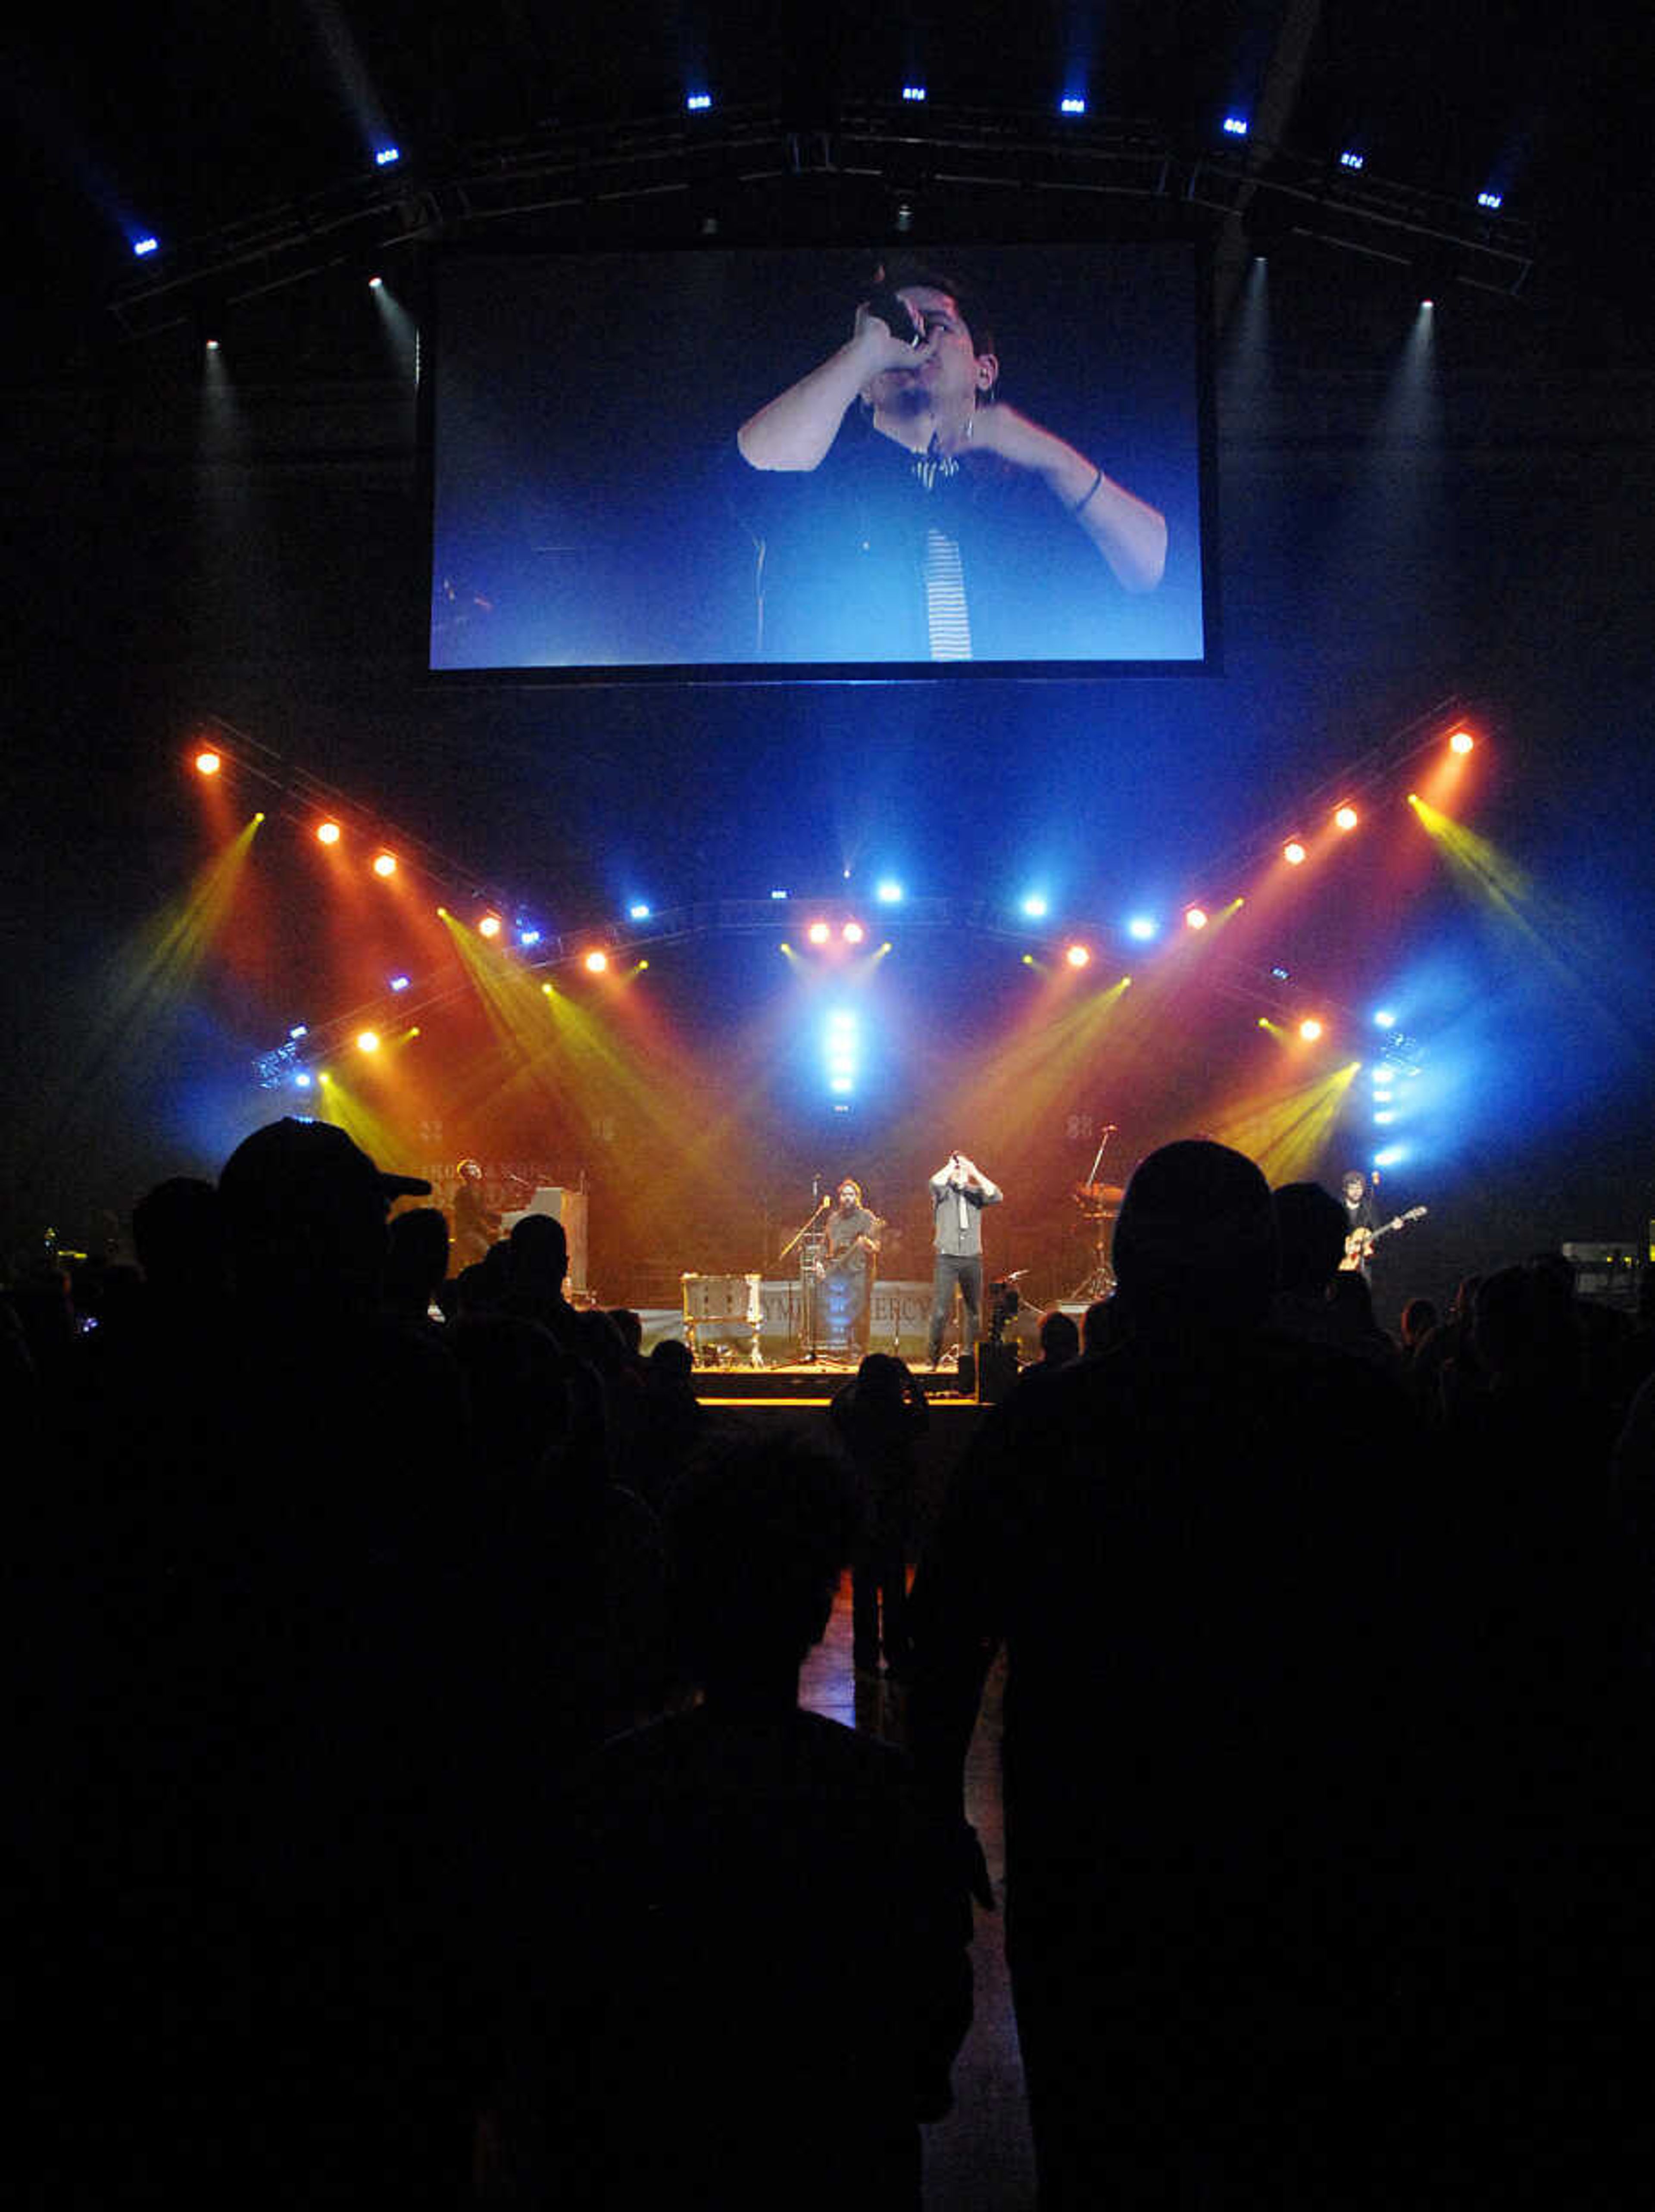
(1606, 1272)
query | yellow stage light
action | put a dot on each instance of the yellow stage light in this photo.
(385, 865)
(328, 833)
(1293, 852)
(1346, 817)
(208, 763)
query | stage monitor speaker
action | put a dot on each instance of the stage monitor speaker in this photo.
(997, 1371)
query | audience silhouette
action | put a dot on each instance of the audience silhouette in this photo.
(755, 1976)
(413, 1803)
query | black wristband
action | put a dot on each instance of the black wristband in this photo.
(1088, 493)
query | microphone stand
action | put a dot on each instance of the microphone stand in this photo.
(807, 1283)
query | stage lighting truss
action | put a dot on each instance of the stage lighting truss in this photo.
(279, 1069)
(824, 920)
(756, 154)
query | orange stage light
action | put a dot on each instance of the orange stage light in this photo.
(1310, 1029)
(1195, 917)
(1461, 742)
(597, 962)
(208, 763)
(1077, 956)
(818, 933)
(385, 865)
(328, 833)
(1293, 852)
(1346, 817)
(367, 1041)
(854, 932)
(489, 926)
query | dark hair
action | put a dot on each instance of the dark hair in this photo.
(1197, 1234)
(755, 1542)
(1310, 1227)
(1060, 1336)
(899, 271)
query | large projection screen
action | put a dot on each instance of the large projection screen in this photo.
(593, 513)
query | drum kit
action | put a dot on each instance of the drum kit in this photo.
(1099, 1203)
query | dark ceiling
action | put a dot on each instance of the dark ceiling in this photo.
(187, 119)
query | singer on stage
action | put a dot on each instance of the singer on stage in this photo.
(959, 1190)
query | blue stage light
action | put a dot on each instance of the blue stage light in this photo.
(637, 911)
(145, 247)
(301, 1080)
(1142, 928)
(888, 891)
(839, 1052)
(1348, 160)
(1035, 906)
(698, 102)
(1384, 1019)
(399, 982)
(528, 938)
(1392, 1156)
(1492, 201)
(913, 92)
(774, 895)
(1071, 104)
(387, 157)
(299, 1030)
(1235, 126)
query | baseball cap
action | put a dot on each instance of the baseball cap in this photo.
(294, 1163)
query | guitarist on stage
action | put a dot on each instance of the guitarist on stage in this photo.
(850, 1251)
(1363, 1227)
(1362, 1219)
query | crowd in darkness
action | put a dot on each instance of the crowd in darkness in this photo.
(410, 1802)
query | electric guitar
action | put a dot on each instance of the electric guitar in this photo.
(1361, 1242)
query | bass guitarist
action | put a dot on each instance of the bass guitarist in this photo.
(849, 1260)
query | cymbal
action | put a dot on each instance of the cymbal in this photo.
(1099, 1193)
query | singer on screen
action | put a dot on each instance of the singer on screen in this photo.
(904, 511)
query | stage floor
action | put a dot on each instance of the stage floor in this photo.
(800, 1381)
